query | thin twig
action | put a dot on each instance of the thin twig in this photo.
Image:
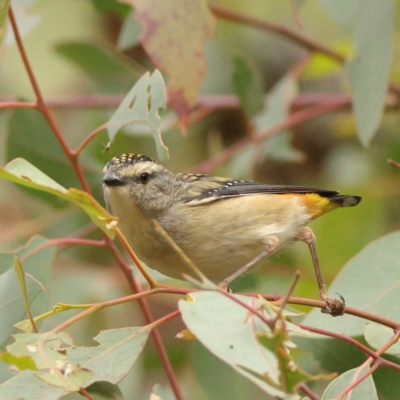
(296, 37)
(293, 120)
(351, 341)
(307, 391)
(41, 105)
(364, 376)
(286, 298)
(136, 288)
(86, 394)
(135, 259)
(378, 362)
(17, 104)
(88, 138)
(395, 163)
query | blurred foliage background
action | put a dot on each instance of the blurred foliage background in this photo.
(75, 51)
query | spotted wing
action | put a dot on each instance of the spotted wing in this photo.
(208, 189)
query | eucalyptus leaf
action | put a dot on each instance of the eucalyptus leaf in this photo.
(12, 305)
(22, 172)
(102, 64)
(173, 36)
(248, 85)
(4, 6)
(141, 105)
(370, 282)
(365, 390)
(104, 391)
(130, 32)
(114, 357)
(377, 336)
(26, 22)
(369, 69)
(27, 386)
(228, 330)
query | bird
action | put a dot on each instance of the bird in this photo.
(224, 226)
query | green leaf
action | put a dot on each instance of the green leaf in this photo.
(218, 380)
(104, 391)
(378, 335)
(12, 307)
(26, 22)
(228, 330)
(51, 354)
(320, 65)
(27, 386)
(173, 36)
(21, 362)
(158, 393)
(387, 382)
(369, 69)
(369, 281)
(27, 345)
(248, 85)
(118, 351)
(276, 106)
(19, 271)
(30, 137)
(141, 105)
(111, 6)
(279, 147)
(4, 6)
(275, 110)
(108, 69)
(130, 32)
(22, 172)
(365, 390)
(280, 344)
(72, 379)
(343, 11)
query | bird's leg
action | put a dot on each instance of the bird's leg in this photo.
(335, 307)
(271, 244)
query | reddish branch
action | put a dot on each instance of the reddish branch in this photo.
(315, 106)
(296, 37)
(294, 119)
(73, 158)
(42, 107)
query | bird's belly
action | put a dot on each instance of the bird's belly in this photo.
(217, 250)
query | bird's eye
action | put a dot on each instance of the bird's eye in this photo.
(144, 178)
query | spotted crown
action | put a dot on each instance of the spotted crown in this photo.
(126, 159)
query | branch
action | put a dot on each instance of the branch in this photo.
(293, 120)
(144, 306)
(296, 37)
(41, 105)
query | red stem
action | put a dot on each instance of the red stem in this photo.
(17, 104)
(293, 120)
(42, 107)
(73, 158)
(136, 288)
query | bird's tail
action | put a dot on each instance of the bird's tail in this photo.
(345, 200)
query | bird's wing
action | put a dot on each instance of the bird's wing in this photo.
(209, 189)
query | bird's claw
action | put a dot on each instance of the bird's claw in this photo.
(334, 307)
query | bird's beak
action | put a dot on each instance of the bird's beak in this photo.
(111, 179)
